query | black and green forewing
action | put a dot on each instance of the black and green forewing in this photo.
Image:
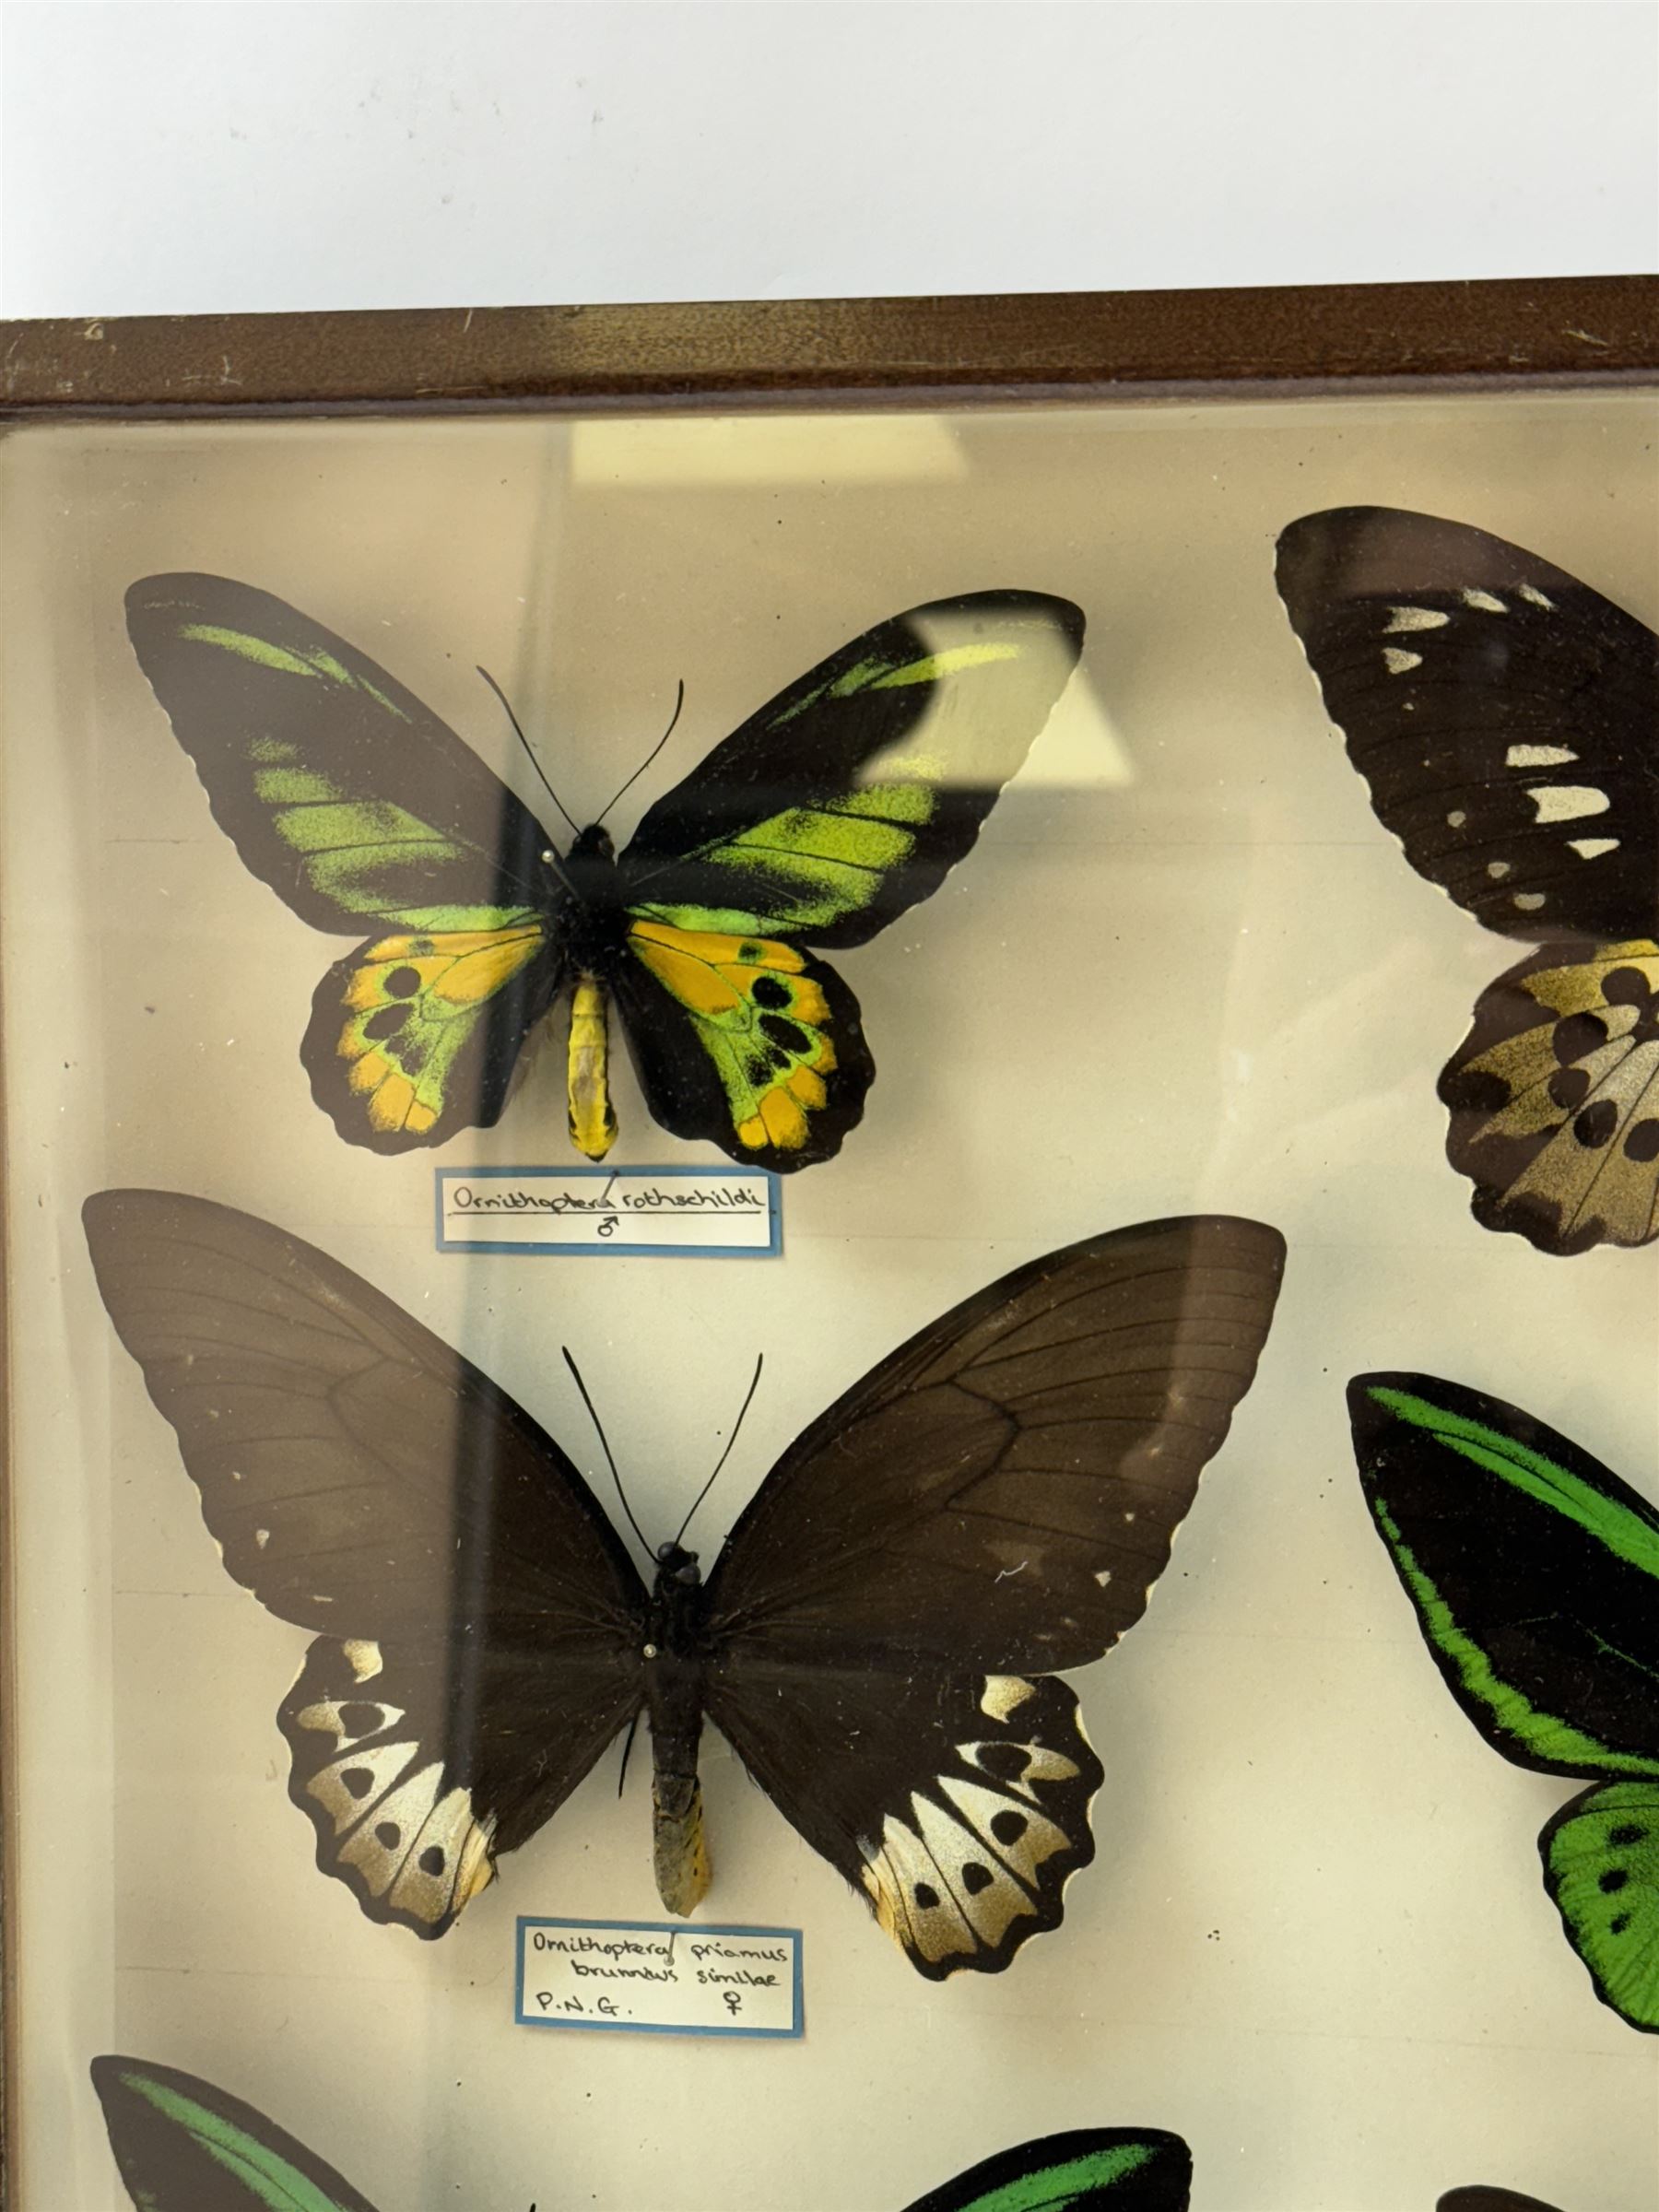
(1534, 1572)
(848, 797)
(478, 1621)
(1085, 2170)
(353, 801)
(184, 2145)
(830, 811)
(992, 1503)
(365, 813)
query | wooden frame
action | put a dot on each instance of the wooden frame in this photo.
(1004, 349)
(866, 352)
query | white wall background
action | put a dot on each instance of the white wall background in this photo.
(167, 158)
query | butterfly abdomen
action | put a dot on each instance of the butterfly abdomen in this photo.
(677, 1694)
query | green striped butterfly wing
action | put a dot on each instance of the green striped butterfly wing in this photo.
(1534, 1573)
(183, 2145)
(832, 810)
(1089, 2170)
(364, 813)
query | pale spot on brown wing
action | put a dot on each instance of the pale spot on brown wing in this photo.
(355, 1783)
(1003, 1693)
(380, 1844)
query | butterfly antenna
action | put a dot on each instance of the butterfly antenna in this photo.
(633, 1729)
(651, 755)
(749, 1401)
(617, 1478)
(524, 741)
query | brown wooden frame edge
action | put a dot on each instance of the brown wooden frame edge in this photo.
(864, 351)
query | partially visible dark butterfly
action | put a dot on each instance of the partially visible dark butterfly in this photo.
(184, 2145)
(827, 814)
(1506, 717)
(1534, 1572)
(876, 1640)
(1484, 2198)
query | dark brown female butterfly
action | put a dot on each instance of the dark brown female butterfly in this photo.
(1506, 718)
(876, 1640)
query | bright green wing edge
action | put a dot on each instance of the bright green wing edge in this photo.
(1483, 1692)
(1135, 2169)
(270, 2170)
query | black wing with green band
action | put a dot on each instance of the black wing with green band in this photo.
(851, 796)
(1534, 1573)
(183, 2145)
(354, 802)
(1087, 2170)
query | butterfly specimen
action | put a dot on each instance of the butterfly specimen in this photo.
(1086, 2170)
(827, 814)
(184, 2145)
(877, 1640)
(1506, 718)
(1534, 1572)
(1487, 2199)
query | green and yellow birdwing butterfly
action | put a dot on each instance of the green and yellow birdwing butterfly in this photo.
(1534, 1572)
(828, 813)
(879, 1639)
(1505, 717)
(183, 2145)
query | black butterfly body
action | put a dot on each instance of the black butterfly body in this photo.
(1506, 719)
(826, 814)
(878, 1638)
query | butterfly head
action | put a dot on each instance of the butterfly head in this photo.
(594, 844)
(676, 1567)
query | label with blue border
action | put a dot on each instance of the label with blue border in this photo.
(658, 1977)
(681, 1213)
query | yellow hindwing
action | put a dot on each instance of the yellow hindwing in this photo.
(761, 1017)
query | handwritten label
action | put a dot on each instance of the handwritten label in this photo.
(698, 1213)
(659, 1977)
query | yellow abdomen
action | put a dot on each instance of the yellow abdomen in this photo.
(593, 1124)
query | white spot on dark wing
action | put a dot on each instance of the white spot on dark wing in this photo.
(1531, 594)
(1103, 1576)
(1592, 848)
(1003, 1693)
(1398, 660)
(1567, 802)
(1538, 756)
(1529, 902)
(1486, 601)
(262, 1536)
(1457, 818)
(1498, 869)
(1414, 617)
